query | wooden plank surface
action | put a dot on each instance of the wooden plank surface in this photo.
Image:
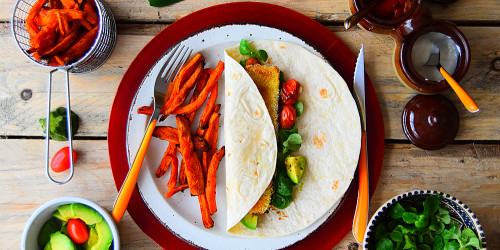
(93, 93)
(469, 172)
(322, 10)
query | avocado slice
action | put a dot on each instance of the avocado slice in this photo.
(100, 239)
(92, 240)
(58, 215)
(250, 221)
(295, 167)
(59, 241)
(65, 211)
(85, 213)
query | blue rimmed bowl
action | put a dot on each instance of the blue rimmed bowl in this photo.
(459, 212)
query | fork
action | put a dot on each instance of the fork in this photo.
(174, 61)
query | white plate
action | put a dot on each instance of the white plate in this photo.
(181, 213)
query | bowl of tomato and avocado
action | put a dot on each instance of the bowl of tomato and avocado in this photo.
(424, 219)
(70, 223)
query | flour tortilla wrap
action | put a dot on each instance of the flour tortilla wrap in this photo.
(331, 139)
(250, 142)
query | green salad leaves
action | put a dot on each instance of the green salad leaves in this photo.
(58, 129)
(247, 50)
(422, 225)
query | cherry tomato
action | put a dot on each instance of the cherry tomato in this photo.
(78, 231)
(290, 92)
(60, 161)
(287, 117)
(252, 61)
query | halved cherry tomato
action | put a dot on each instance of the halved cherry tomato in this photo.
(78, 231)
(290, 92)
(60, 161)
(287, 117)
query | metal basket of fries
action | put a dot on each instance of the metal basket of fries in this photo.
(72, 36)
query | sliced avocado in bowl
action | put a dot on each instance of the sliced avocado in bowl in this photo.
(100, 237)
(59, 241)
(85, 213)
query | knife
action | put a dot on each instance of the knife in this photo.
(361, 215)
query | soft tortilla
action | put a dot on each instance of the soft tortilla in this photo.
(331, 136)
(250, 142)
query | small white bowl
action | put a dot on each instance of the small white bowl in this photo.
(44, 213)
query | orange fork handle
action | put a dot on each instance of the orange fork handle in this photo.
(462, 95)
(361, 214)
(128, 185)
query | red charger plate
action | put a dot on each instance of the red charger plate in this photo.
(319, 37)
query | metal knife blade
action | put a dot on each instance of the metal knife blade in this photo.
(361, 215)
(359, 86)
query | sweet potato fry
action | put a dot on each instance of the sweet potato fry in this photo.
(200, 143)
(174, 170)
(145, 110)
(182, 173)
(184, 74)
(55, 4)
(92, 17)
(207, 112)
(202, 80)
(81, 46)
(217, 108)
(212, 80)
(166, 160)
(63, 45)
(205, 212)
(167, 133)
(193, 169)
(31, 26)
(174, 190)
(211, 179)
(69, 4)
(183, 93)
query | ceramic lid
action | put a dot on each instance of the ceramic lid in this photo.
(430, 121)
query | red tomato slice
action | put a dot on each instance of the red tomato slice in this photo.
(78, 231)
(60, 161)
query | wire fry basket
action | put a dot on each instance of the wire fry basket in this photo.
(91, 60)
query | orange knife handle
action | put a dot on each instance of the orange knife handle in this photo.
(462, 95)
(361, 214)
(128, 185)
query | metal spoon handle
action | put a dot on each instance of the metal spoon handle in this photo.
(354, 19)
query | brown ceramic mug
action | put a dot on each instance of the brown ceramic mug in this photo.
(403, 57)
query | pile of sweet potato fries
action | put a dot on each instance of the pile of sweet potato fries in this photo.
(61, 31)
(200, 157)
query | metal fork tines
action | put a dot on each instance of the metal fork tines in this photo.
(174, 61)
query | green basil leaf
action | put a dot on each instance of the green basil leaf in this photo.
(473, 243)
(262, 55)
(468, 234)
(409, 242)
(292, 144)
(243, 63)
(422, 221)
(245, 48)
(397, 211)
(284, 186)
(451, 245)
(380, 231)
(396, 236)
(281, 202)
(384, 244)
(431, 205)
(58, 130)
(409, 217)
(437, 242)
